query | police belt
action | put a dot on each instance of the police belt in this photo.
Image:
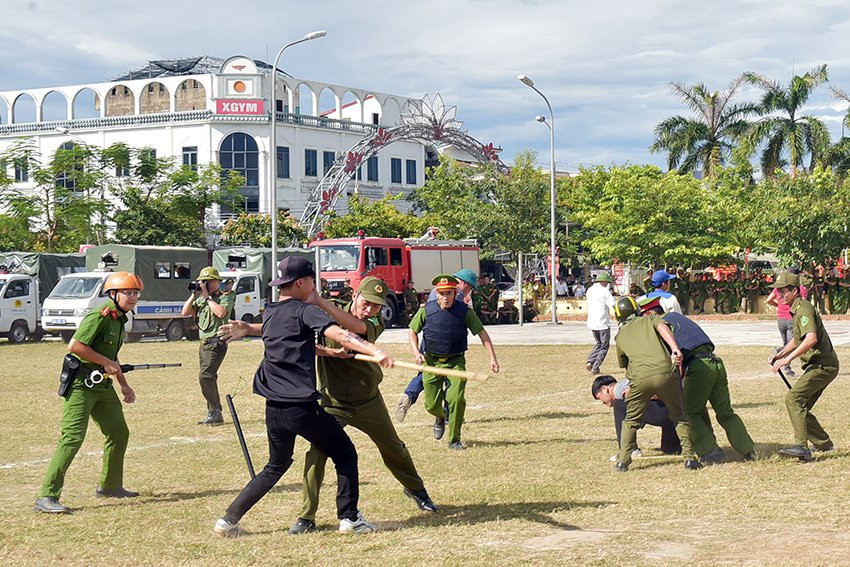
(91, 377)
(443, 358)
(705, 352)
(211, 340)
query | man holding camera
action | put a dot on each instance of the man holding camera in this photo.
(213, 307)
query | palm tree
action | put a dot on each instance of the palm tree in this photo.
(782, 127)
(838, 154)
(707, 140)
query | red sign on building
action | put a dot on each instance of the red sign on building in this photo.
(240, 106)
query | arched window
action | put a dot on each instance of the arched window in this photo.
(238, 152)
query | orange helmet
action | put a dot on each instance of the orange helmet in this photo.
(123, 280)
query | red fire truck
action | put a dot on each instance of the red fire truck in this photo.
(395, 261)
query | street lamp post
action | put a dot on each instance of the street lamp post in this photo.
(526, 80)
(273, 145)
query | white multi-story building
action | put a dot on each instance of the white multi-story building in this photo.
(206, 109)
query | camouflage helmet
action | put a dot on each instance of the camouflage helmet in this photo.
(208, 273)
(625, 308)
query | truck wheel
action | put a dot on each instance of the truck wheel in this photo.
(37, 335)
(18, 332)
(132, 337)
(390, 312)
(174, 331)
(66, 335)
(248, 318)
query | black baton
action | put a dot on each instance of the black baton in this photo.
(239, 434)
(784, 379)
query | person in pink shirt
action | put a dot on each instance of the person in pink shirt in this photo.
(783, 320)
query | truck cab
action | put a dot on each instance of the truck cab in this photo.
(19, 308)
(346, 261)
(249, 305)
(71, 300)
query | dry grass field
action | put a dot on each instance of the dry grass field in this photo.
(535, 486)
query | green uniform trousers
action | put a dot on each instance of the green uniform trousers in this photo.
(373, 419)
(668, 387)
(104, 407)
(436, 393)
(800, 400)
(705, 381)
(211, 356)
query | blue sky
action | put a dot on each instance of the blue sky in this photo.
(605, 66)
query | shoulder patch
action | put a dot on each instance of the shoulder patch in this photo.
(804, 320)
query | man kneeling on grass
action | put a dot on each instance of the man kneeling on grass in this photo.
(613, 394)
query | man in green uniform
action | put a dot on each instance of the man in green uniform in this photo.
(740, 291)
(213, 307)
(508, 313)
(411, 303)
(700, 292)
(95, 347)
(350, 393)
(813, 347)
(324, 290)
(683, 290)
(444, 323)
(651, 371)
(705, 381)
(489, 301)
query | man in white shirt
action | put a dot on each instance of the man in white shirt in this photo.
(599, 302)
(579, 290)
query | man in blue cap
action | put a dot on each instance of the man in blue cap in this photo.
(661, 284)
(467, 282)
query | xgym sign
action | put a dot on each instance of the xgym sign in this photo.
(240, 106)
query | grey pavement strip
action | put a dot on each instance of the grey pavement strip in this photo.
(726, 333)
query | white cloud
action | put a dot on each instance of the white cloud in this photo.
(605, 66)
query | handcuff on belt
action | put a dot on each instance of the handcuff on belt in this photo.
(93, 379)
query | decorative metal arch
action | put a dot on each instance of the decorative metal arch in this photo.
(427, 120)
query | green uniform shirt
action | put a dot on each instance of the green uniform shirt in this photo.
(641, 350)
(102, 330)
(473, 323)
(346, 379)
(208, 323)
(807, 320)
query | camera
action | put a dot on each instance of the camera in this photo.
(194, 286)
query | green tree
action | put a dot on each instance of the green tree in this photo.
(65, 195)
(639, 214)
(376, 218)
(163, 204)
(457, 198)
(256, 230)
(153, 221)
(783, 129)
(806, 216)
(706, 140)
(519, 219)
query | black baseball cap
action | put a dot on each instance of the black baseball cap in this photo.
(292, 268)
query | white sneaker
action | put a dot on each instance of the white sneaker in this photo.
(404, 403)
(636, 454)
(226, 529)
(358, 526)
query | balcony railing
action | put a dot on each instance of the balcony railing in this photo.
(323, 122)
(107, 122)
(188, 116)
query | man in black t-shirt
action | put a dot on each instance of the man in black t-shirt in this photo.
(287, 379)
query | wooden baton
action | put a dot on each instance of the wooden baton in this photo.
(450, 372)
